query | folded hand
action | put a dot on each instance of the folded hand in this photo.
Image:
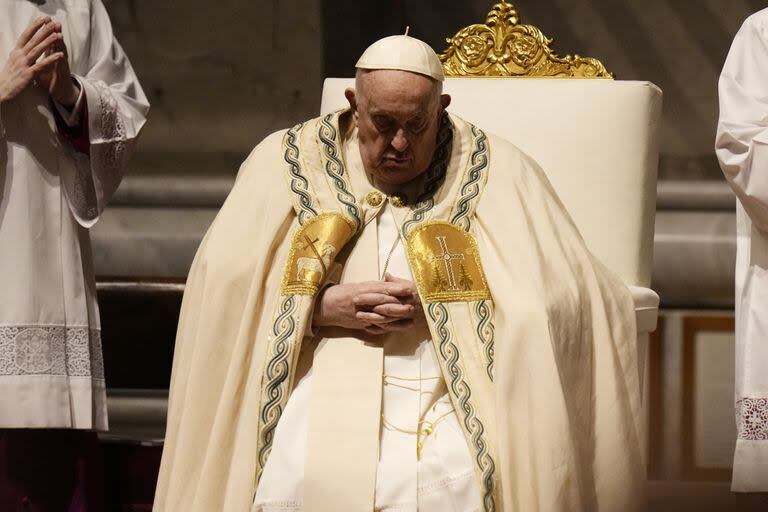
(376, 307)
(57, 80)
(42, 38)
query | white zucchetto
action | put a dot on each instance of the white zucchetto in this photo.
(405, 53)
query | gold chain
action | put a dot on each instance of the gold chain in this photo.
(405, 379)
(414, 379)
(386, 263)
(426, 431)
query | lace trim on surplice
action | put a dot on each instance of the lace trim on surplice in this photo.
(112, 129)
(752, 419)
(51, 350)
(109, 161)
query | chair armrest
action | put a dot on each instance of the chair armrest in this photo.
(646, 308)
(136, 416)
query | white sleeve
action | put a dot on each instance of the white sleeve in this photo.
(117, 109)
(742, 131)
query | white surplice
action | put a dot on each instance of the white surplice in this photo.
(442, 479)
(51, 367)
(742, 148)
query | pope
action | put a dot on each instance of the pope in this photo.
(394, 310)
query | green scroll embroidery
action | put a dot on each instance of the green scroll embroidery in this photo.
(462, 394)
(277, 375)
(299, 184)
(471, 188)
(485, 331)
(334, 167)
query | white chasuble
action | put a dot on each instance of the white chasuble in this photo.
(534, 339)
(51, 369)
(742, 149)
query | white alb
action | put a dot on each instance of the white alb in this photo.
(742, 148)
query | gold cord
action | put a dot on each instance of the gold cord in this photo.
(414, 379)
(391, 251)
(402, 386)
(405, 379)
(425, 431)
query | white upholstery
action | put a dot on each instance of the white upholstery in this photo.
(597, 141)
(646, 308)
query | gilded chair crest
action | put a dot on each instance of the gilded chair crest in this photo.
(504, 47)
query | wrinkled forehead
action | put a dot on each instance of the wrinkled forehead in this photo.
(396, 90)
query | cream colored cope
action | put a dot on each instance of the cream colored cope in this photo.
(548, 410)
(526, 412)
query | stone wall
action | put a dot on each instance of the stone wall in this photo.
(220, 76)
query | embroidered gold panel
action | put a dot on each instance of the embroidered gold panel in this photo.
(314, 247)
(446, 264)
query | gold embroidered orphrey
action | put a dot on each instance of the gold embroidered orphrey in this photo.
(313, 249)
(446, 264)
(504, 47)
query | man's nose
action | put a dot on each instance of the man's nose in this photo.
(399, 141)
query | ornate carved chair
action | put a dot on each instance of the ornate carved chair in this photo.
(595, 137)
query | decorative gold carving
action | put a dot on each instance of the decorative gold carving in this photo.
(446, 264)
(504, 47)
(315, 246)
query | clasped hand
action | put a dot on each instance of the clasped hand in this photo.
(40, 55)
(376, 307)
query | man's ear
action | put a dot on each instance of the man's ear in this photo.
(349, 93)
(445, 100)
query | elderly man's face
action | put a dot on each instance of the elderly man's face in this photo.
(397, 115)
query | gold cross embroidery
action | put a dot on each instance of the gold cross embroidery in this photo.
(446, 257)
(310, 244)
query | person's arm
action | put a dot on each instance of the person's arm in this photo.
(72, 121)
(116, 112)
(742, 132)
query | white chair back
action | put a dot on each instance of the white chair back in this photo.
(597, 141)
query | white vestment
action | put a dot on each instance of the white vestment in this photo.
(443, 479)
(51, 368)
(742, 148)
